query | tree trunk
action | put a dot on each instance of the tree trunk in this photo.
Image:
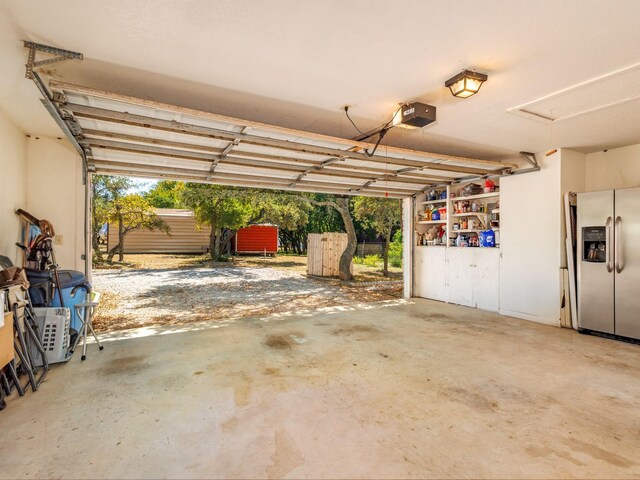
(212, 237)
(95, 239)
(226, 242)
(117, 248)
(218, 242)
(111, 253)
(387, 240)
(352, 241)
(120, 237)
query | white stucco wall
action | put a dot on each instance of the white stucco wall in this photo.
(55, 192)
(530, 242)
(13, 186)
(615, 168)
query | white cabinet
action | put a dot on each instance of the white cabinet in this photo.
(464, 276)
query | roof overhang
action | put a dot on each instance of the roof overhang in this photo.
(123, 135)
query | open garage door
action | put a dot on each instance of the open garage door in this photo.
(122, 135)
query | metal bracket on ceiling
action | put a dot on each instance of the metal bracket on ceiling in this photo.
(65, 120)
(316, 168)
(59, 55)
(530, 158)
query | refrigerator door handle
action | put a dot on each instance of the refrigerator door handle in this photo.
(618, 249)
(608, 245)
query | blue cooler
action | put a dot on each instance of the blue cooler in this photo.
(75, 287)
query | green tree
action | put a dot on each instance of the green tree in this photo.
(165, 194)
(341, 205)
(129, 213)
(289, 212)
(396, 249)
(105, 191)
(224, 209)
(381, 214)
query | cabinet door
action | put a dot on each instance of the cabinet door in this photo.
(435, 266)
(486, 278)
(460, 276)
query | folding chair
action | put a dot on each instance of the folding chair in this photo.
(84, 312)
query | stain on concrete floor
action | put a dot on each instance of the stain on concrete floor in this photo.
(125, 365)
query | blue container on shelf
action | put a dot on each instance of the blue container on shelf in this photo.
(487, 238)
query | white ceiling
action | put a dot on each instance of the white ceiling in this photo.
(296, 63)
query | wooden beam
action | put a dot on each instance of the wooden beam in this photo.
(83, 111)
(92, 92)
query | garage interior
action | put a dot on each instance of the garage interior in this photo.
(482, 369)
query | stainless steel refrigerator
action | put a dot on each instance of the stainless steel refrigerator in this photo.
(608, 262)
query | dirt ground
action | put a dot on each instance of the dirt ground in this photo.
(153, 290)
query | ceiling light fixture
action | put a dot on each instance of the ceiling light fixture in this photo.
(466, 83)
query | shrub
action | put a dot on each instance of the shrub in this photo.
(395, 247)
(372, 260)
(395, 261)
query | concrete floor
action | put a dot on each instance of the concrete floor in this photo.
(399, 389)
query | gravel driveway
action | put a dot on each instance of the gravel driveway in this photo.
(144, 297)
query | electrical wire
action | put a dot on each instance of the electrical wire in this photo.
(346, 111)
(381, 135)
(382, 130)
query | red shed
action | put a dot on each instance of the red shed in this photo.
(256, 239)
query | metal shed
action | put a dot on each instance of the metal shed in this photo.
(184, 236)
(256, 239)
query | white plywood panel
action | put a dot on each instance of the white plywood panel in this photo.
(486, 278)
(530, 219)
(418, 273)
(460, 276)
(434, 273)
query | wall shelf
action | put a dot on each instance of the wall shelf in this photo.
(470, 214)
(476, 197)
(432, 222)
(446, 224)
